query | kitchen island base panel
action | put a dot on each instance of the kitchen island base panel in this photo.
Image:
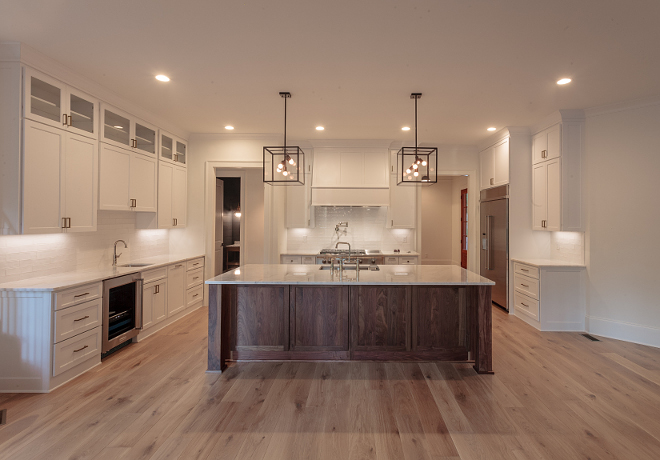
(377, 323)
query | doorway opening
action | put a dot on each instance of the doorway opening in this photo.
(228, 218)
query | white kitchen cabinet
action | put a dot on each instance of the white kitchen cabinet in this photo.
(154, 303)
(121, 129)
(402, 211)
(52, 102)
(127, 180)
(59, 180)
(299, 211)
(179, 196)
(176, 289)
(350, 169)
(173, 149)
(288, 259)
(494, 165)
(557, 202)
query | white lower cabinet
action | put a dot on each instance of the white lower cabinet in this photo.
(401, 260)
(59, 180)
(286, 259)
(127, 180)
(154, 303)
(176, 277)
(550, 297)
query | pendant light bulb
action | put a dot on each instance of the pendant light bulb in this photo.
(285, 172)
(424, 163)
(291, 162)
(416, 173)
(415, 166)
(238, 211)
(408, 171)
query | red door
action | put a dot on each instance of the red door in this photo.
(464, 227)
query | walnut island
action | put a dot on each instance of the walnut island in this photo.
(307, 312)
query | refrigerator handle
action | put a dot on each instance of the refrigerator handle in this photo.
(489, 238)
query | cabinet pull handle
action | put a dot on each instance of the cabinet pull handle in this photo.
(63, 222)
(524, 304)
(196, 263)
(70, 121)
(133, 202)
(524, 285)
(80, 319)
(80, 295)
(156, 289)
(81, 349)
(64, 119)
(195, 295)
(68, 219)
(544, 153)
(524, 270)
(195, 277)
(177, 266)
(173, 222)
(492, 181)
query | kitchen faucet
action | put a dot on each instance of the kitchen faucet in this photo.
(115, 256)
(349, 248)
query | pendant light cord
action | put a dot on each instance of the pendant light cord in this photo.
(285, 126)
(415, 127)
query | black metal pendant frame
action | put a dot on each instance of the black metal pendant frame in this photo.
(417, 165)
(284, 165)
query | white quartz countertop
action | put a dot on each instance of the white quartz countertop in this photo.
(388, 274)
(76, 278)
(382, 253)
(548, 263)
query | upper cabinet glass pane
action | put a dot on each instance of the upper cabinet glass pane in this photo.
(82, 114)
(45, 100)
(166, 147)
(180, 152)
(146, 138)
(116, 128)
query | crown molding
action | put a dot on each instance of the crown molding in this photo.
(622, 106)
(351, 143)
(501, 134)
(560, 116)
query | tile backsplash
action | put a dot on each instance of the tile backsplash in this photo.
(568, 246)
(29, 256)
(366, 230)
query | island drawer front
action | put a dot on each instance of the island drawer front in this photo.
(390, 260)
(79, 318)
(407, 260)
(194, 277)
(195, 263)
(526, 285)
(309, 260)
(527, 305)
(78, 295)
(194, 295)
(526, 270)
(75, 350)
(154, 275)
(291, 259)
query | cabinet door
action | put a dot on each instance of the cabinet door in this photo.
(166, 147)
(165, 174)
(440, 321)
(83, 110)
(326, 169)
(148, 294)
(179, 196)
(539, 147)
(44, 99)
(553, 169)
(80, 177)
(142, 183)
(116, 127)
(298, 205)
(501, 163)
(376, 172)
(319, 318)
(403, 205)
(540, 196)
(176, 288)
(259, 318)
(380, 318)
(114, 177)
(181, 153)
(42, 185)
(554, 142)
(145, 138)
(486, 169)
(160, 300)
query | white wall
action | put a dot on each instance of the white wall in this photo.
(437, 223)
(623, 218)
(29, 256)
(458, 184)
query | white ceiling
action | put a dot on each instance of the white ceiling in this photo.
(351, 65)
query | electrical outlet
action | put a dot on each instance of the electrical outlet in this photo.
(405, 239)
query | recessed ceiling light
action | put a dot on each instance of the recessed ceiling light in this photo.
(229, 127)
(563, 81)
(491, 129)
(405, 128)
(162, 78)
(320, 128)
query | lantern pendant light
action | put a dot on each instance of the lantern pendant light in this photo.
(417, 165)
(284, 165)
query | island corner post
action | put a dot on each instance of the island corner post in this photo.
(224, 320)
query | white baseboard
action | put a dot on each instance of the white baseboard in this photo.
(636, 333)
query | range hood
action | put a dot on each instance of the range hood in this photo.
(350, 196)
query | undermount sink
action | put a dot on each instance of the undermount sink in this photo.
(135, 265)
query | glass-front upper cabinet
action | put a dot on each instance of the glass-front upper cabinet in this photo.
(51, 102)
(116, 127)
(145, 138)
(181, 151)
(166, 146)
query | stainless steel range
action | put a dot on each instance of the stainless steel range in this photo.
(366, 256)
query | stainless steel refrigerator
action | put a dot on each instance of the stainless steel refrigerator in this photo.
(495, 241)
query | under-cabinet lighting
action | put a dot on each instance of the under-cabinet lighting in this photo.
(491, 129)
(563, 81)
(405, 128)
(237, 272)
(118, 127)
(162, 78)
(229, 127)
(320, 128)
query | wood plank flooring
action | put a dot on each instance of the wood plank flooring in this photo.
(553, 396)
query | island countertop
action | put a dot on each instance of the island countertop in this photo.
(448, 275)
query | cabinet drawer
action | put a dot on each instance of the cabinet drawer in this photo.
(526, 270)
(75, 350)
(407, 260)
(195, 263)
(78, 295)
(154, 275)
(194, 277)
(389, 260)
(526, 285)
(79, 318)
(194, 295)
(309, 260)
(527, 305)
(291, 259)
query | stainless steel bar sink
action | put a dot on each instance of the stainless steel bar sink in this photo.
(135, 265)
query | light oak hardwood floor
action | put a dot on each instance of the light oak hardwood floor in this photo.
(553, 396)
